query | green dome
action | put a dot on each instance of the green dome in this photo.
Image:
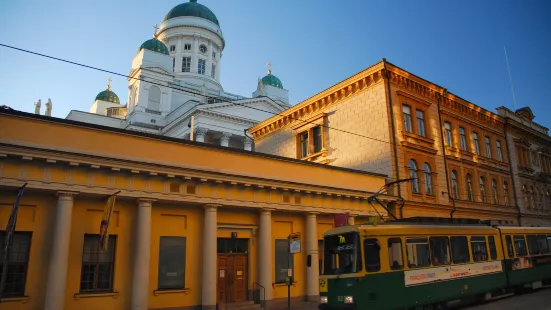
(272, 80)
(154, 45)
(192, 8)
(108, 95)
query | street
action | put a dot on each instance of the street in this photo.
(538, 300)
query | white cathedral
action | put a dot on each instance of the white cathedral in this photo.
(176, 75)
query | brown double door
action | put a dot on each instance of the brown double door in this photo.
(232, 277)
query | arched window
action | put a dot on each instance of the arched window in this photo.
(470, 195)
(482, 189)
(413, 175)
(455, 187)
(154, 98)
(494, 192)
(506, 193)
(428, 180)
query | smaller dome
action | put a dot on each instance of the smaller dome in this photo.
(154, 45)
(271, 79)
(108, 95)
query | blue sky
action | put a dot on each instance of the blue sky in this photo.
(312, 45)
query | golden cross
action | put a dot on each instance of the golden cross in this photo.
(269, 67)
(109, 83)
(156, 28)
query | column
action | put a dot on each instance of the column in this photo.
(350, 219)
(59, 255)
(195, 56)
(200, 134)
(265, 256)
(225, 139)
(209, 292)
(140, 281)
(312, 272)
(248, 143)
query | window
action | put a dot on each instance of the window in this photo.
(533, 244)
(186, 64)
(492, 243)
(428, 181)
(462, 139)
(506, 193)
(470, 196)
(448, 128)
(407, 118)
(201, 66)
(520, 245)
(499, 153)
(420, 123)
(542, 244)
(440, 251)
(417, 250)
(154, 98)
(172, 263)
(203, 48)
(213, 72)
(304, 144)
(482, 189)
(282, 261)
(494, 192)
(460, 250)
(318, 139)
(510, 252)
(455, 187)
(488, 147)
(525, 192)
(476, 143)
(395, 258)
(342, 254)
(372, 249)
(173, 48)
(480, 251)
(413, 175)
(18, 262)
(213, 55)
(187, 47)
(97, 265)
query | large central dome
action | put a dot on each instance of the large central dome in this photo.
(192, 8)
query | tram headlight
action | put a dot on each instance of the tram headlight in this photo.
(348, 299)
(323, 299)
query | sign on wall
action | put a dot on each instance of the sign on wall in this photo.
(294, 246)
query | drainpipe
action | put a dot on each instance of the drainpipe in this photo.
(389, 98)
(444, 153)
(519, 214)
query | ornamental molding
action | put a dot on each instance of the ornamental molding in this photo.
(195, 35)
(227, 117)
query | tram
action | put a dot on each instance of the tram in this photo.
(401, 265)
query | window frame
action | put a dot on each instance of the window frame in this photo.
(495, 198)
(201, 64)
(488, 143)
(421, 130)
(427, 174)
(455, 185)
(482, 185)
(16, 264)
(311, 143)
(499, 151)
(186, 64)
(391, 260)
(476, 143)
(415, 188)
(425, 242)
(407, 118)
(454, 252)
(433, 246)
(112, 245)
(374, 245)
(182, 260)
(462, 139)
(292, 262)
(469, 181)
(479, 239)
(448, 134)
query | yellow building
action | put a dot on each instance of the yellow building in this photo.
(194, 224)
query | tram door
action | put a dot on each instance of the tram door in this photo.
(232, 270)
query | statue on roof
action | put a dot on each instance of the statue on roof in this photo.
(37, 106)
(49, 107)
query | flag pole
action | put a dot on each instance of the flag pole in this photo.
(105, 221)
(10, 228)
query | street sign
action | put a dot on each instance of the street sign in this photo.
(294, 246)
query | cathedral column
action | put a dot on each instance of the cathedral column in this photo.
(209, 289)
(225, 139)
(208, 69)
(248, 143)
(140, 281)
(59, 255)
(265, 256)
(200, 133)
(312, 271)
(195, 58)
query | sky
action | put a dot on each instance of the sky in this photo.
(312, 45)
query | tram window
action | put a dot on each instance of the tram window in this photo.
(510, 252)
(533, 244)
(417, 252)
(395, 258)
(342, 254)
(480, 251)
(549, 242)
(542, 244)
(492, 244)
(460, 250)
(372, 249)
(520, 245)
(440, 251)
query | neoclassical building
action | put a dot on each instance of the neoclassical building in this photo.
(176, 75)
(194, 226)
(390, 121)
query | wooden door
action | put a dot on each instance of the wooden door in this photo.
(232, 277)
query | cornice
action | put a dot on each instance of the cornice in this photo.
(193, 35)
(459, 107)
(496, 128)
(218, 115)
(522, 130)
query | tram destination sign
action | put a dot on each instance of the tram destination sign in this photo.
(294, 243)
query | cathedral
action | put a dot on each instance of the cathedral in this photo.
(174, 87)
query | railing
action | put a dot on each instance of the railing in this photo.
(223, 288)
(263, 300)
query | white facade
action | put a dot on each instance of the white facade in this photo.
(167, 88)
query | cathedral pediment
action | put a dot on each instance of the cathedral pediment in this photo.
(256, 109)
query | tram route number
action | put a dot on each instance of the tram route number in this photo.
(323, 286)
